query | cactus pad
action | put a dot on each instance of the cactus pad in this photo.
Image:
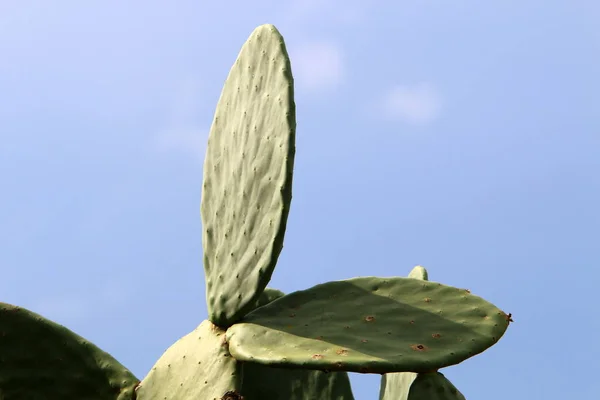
(371, 325)
(433, 386)
(247, 186)
(264, 382)
(395, 386)
(267, 297)
(197, 366)
(40, 359)
(419, 272)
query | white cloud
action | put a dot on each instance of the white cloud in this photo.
(418, 104)
(317, 66)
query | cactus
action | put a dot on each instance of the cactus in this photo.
(259, 343)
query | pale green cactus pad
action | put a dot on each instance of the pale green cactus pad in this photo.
(247, 186)
(419, 272)
(395, 386)
(265, 382)
(40, 359)
(372, 325)
(433, 386)
(197, 366)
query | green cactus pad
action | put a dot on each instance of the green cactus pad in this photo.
(395, 386)
(266, 382)
(40, 359)
(433, 386)
(197, 366)
(370, 325)
(268, 296)
(247, 187)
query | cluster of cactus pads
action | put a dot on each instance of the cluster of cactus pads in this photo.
(259, 344)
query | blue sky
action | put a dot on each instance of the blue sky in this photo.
(460, 135)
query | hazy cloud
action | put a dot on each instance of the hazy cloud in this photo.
(317, 65)
(417, 104)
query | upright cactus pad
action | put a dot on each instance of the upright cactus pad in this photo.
(375, 325)
(395, 386)
(419, 272)
(247, 186)
(40, 359)
(197, 366)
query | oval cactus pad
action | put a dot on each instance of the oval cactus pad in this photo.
(247, 186)
(197, 366)
(369, 325)
(40, 359)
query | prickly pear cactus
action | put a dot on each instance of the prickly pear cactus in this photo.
(259, 343)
